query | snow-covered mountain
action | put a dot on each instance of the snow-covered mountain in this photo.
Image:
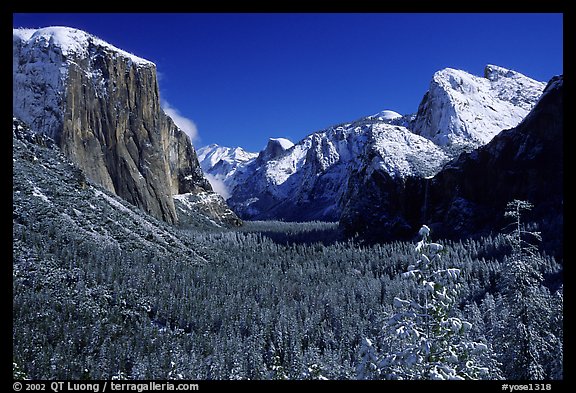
(211, 155)
(311, 179)
(307, 180)
(464, 109)
(468, 196)
(220, 164)
(101, 106)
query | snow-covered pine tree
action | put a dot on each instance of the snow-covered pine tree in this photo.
(531, 335)
(367, 367)
(425, 338)
(557, 367)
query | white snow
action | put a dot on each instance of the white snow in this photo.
(290, 171)
(190, 202)
(70, 41)
(38, 87)
(220, 164)
(400, 303)
(280, 170)
(464, 109)
(209, 156)
(139, 218)
(23, 34)
(38, 193)
(387, 115)
(322, 161)
(402, 153)
(113, 202)
(201, 198)
(479, 347)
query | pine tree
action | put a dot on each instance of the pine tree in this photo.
(424, 338)
(527, 338)
(557, 363)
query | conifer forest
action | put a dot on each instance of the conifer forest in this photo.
(276, 300)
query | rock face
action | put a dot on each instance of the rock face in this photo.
(52, 195)
(101, 105)
(275, 148)
(469, 195)
(204, 209)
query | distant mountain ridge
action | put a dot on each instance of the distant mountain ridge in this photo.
(310, 180)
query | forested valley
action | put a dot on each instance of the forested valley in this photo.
(262, 302)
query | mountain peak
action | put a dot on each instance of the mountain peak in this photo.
(70, 41)
(275, 148)
(387, 115)
(462, 109)
(284, 143)
(213, 154)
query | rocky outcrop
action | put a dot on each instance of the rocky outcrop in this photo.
(308, 180)
(204, 209)
(52, 197)
(274, 149)
(469, 195)
(102, 107)
(117, 132)
(461, 109)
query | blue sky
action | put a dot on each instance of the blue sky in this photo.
(242, 78)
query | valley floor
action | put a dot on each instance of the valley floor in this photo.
(241, 305)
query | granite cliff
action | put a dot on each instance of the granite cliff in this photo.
(101, 105)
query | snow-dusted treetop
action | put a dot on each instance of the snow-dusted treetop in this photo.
(70, 41)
